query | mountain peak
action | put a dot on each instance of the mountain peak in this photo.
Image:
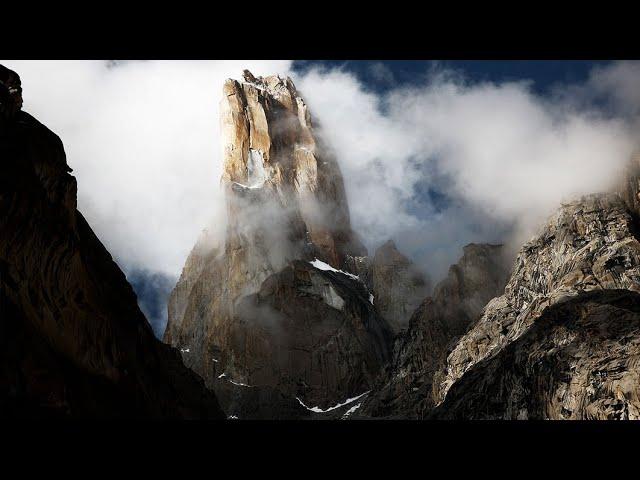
(286, 277)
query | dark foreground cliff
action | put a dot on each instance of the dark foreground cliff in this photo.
(73, 342)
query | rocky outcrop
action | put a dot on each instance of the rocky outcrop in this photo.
(398, 287)
(73, 342)
(580, 360)
(406, 390)
(279, 305)
(587, 246)
(10, 93)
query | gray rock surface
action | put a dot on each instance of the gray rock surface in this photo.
(580, 360)
(398, 287)
(568, 314)
(406, 388)
(587, 245)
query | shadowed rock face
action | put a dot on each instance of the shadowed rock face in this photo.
(398, 287)
(629, 188)
(73, 342)
(254, 311)
(406, 389)
(580, 360)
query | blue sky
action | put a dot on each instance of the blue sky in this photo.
(543, 73)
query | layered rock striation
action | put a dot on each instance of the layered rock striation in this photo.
(580, 360)
(566, 283)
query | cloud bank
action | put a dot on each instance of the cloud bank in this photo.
(435, 165)
(143, 141)
(503, 157)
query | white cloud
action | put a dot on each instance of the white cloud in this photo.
(143, 140)
(510, 156)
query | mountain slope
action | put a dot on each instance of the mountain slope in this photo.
(567, 279)
(73, 342)
(396, 284)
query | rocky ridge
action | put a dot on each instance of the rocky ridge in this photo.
(588, 246)
(579, 360)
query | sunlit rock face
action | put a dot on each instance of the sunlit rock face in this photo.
(73, 342)
(578, 361)
(580, 275)
(285, 192)
(254, 310)
(557, 339)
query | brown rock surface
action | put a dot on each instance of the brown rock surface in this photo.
(580, 360)
(255, 309)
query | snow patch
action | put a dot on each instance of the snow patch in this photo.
(351, 410)
(320, 265)
(222, 375)
(186, 350)
(232, 417)
(346, 402)
(256, 173)
(240, 384)
(331, 298)
(244, 187)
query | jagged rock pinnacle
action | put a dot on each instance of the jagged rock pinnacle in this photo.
(278, 305)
